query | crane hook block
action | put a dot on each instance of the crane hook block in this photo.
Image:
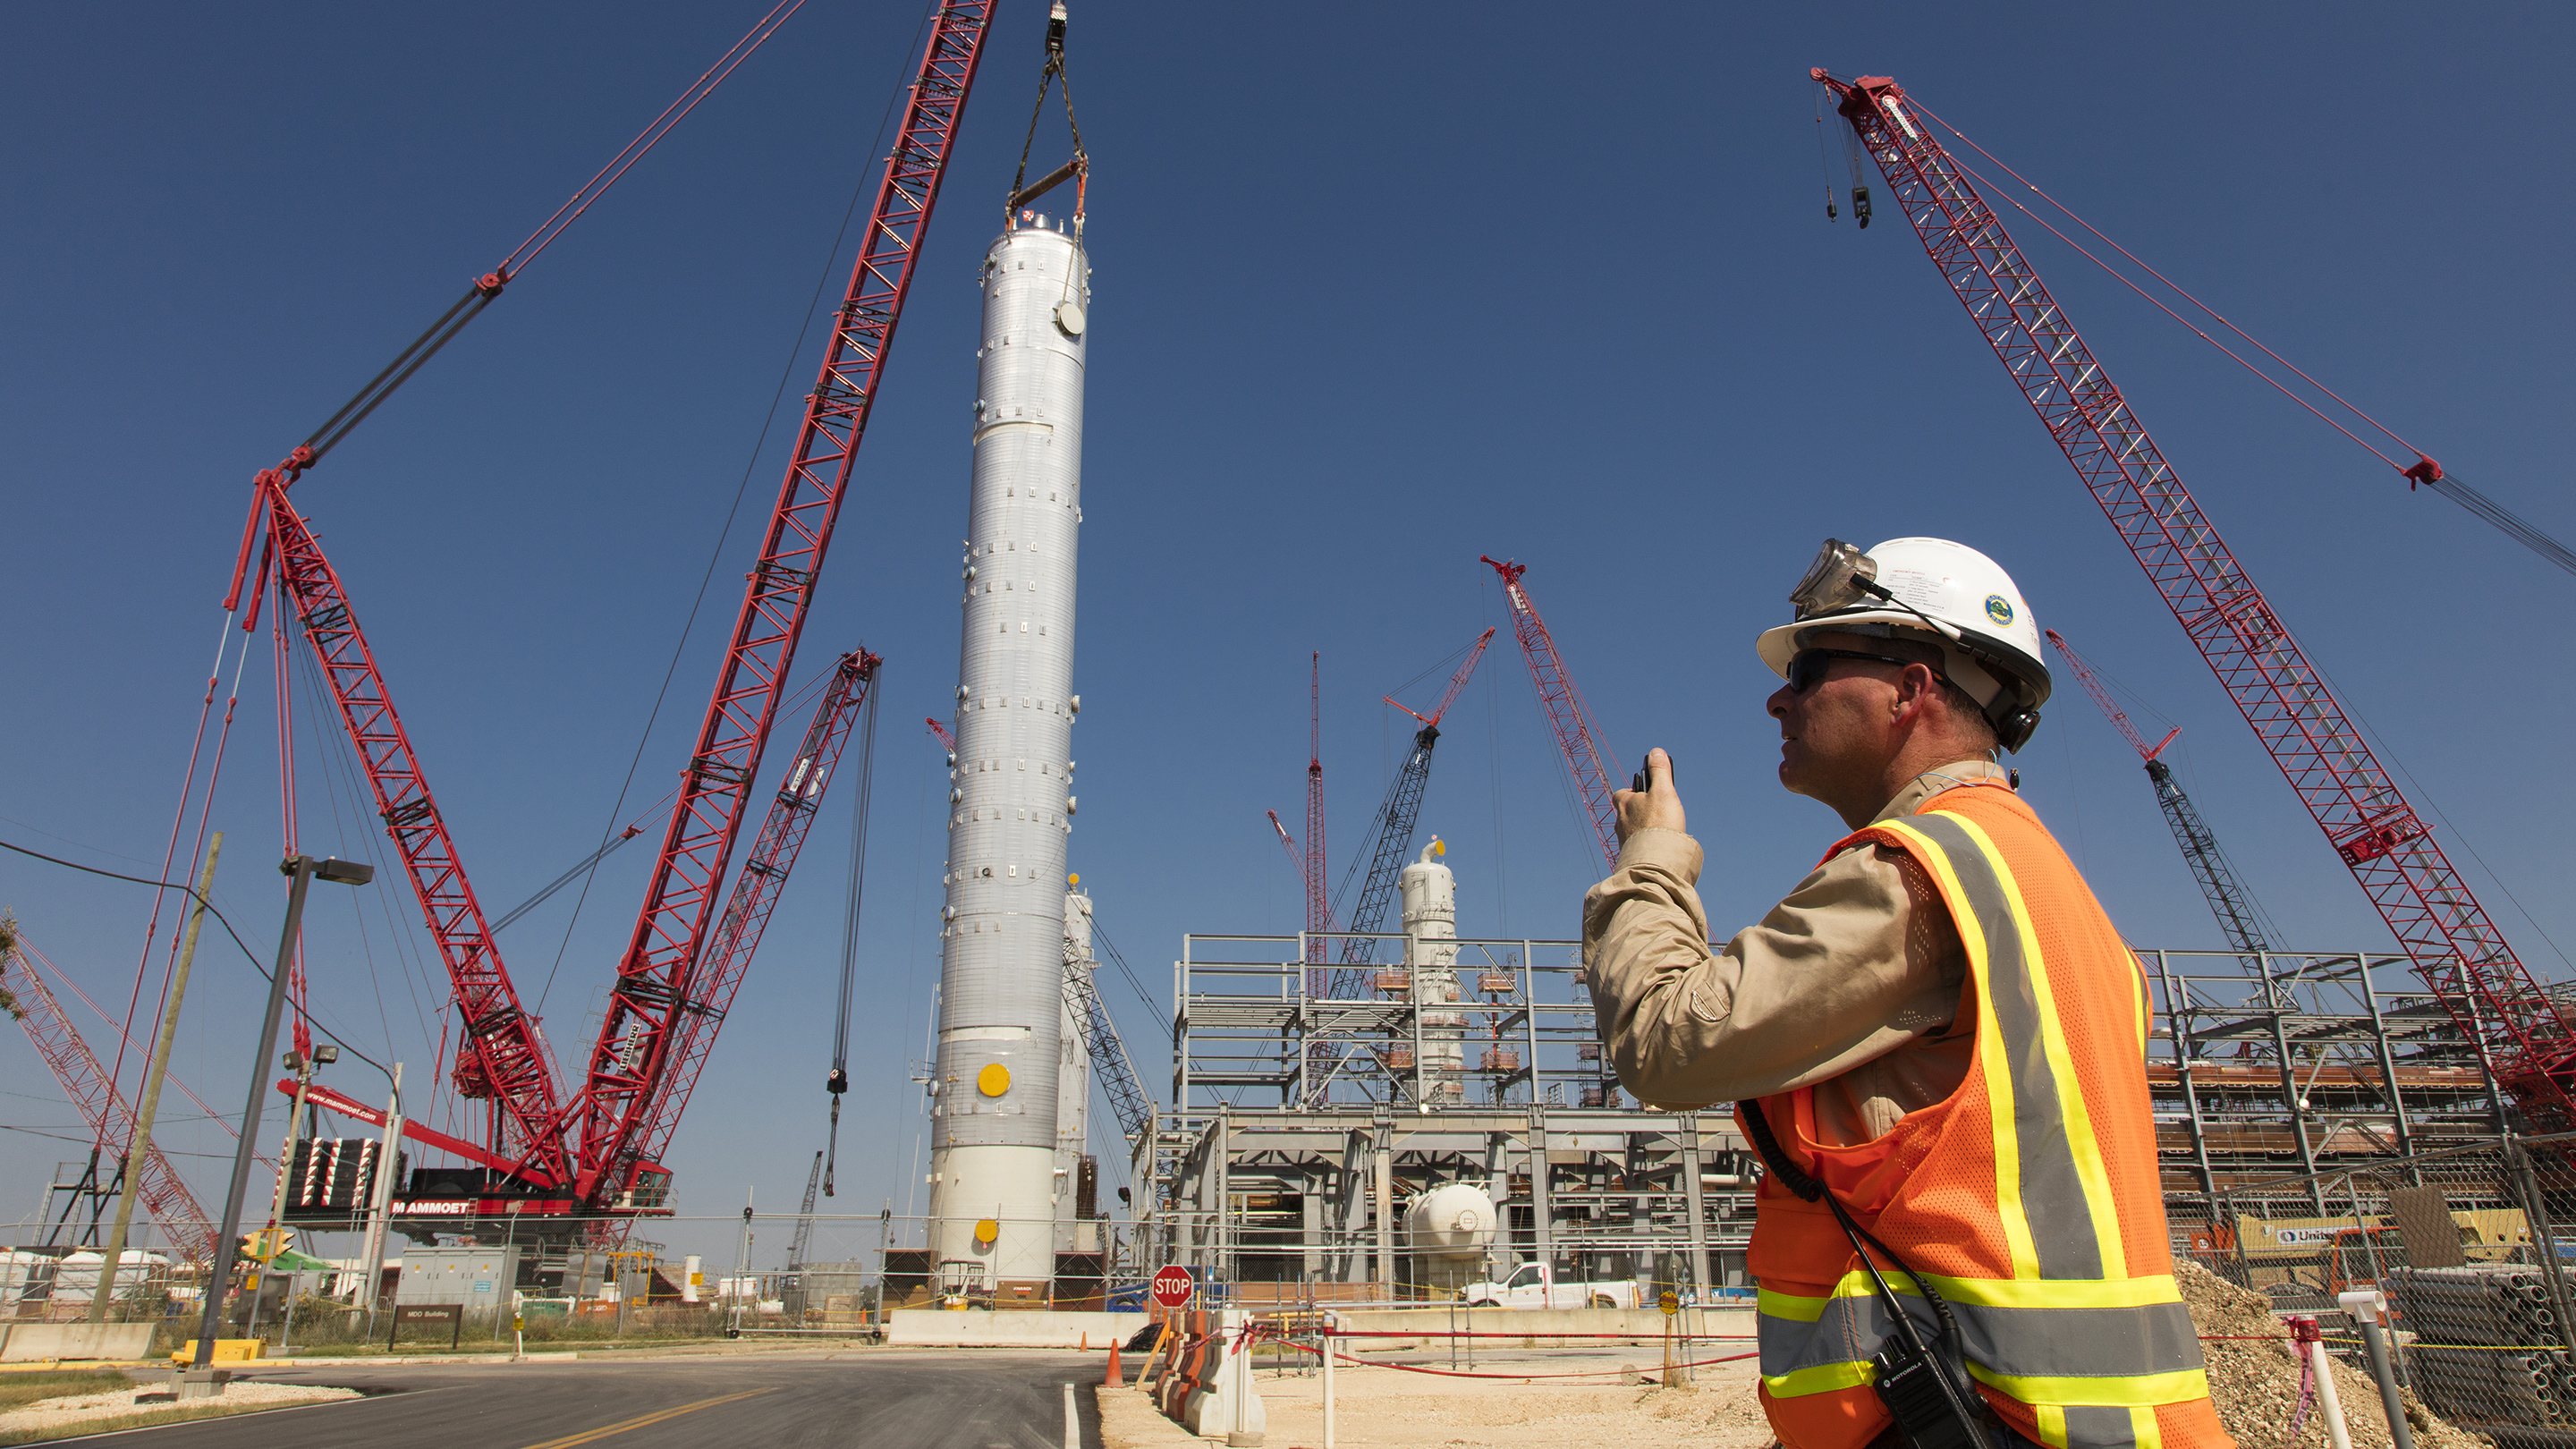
(1055, 31)
(837, 1083)
(1860, 206)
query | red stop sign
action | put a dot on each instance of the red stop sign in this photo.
(1172, 1286)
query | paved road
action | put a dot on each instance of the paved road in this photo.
(900, 1399)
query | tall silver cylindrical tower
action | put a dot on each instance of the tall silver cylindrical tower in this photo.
(1001, 1008)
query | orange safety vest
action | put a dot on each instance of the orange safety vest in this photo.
(2029, 1198)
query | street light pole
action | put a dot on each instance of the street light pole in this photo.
(300, 871)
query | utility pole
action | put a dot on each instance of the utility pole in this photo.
(302, 1066)
(299, 871)
(380, 1208)
(141, 1144)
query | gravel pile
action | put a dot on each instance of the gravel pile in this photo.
(2254, 1377)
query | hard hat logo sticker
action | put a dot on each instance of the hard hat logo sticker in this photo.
(1999, 609)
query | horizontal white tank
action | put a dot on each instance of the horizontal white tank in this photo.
(1456, 1221)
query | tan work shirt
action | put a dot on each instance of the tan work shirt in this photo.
(1851, 984)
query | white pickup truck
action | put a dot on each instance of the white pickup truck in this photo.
(1535, 1285)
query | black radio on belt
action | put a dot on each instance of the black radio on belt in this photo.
(1925, 1386)
(1910, 1384)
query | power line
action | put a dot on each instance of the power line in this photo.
(253, 957)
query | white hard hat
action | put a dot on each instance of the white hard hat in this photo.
(1938, 592)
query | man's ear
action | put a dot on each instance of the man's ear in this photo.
(1914, 689)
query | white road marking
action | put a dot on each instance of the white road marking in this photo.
(1072, 1421)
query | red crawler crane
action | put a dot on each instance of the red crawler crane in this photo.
(501, 1055)
(654, 978)
(755, 894)
(591, 1147)
(1288, 843)
(1576, 736)
(109, 1115)
(2455, 947)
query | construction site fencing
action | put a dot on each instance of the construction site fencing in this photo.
(2467, 1247)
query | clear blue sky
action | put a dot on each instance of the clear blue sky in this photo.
(1379, 288)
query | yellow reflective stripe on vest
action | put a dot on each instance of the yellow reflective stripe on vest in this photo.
(2118, 1354)
(2049, 1177)
(1819, 1380)
(1992, 1053)
(2145, 1007)
(1825, 1378)
(2143, 1391)
(1987, 1292)
(2089, 1427)
(1799, 1308)
(2056, 1292)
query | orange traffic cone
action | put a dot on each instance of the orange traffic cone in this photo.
(1114, 1379)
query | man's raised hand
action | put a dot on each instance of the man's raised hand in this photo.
(1657, 807)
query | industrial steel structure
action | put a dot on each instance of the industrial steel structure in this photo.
(2261, 1065)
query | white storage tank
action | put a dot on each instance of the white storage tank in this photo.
(1448, 1231)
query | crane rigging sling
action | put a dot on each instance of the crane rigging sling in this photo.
(1080, 165)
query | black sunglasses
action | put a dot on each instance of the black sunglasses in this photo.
(1808, 667)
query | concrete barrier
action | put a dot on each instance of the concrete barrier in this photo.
(1007, 1328)
(30, 1342)
(1536, 1327)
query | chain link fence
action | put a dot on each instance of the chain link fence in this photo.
(2465, 1245)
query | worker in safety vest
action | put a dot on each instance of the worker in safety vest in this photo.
(1939, 1031)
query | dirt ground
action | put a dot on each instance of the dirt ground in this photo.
(2253, 1379)
(1387, 1408)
